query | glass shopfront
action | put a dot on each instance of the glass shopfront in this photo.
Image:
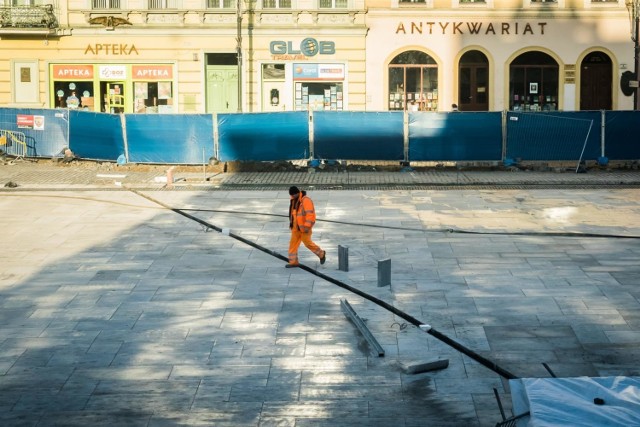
(319, 86)
(533, 83)
(113, 88)
(413, 82)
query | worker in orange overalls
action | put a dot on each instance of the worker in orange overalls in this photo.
(302, 217)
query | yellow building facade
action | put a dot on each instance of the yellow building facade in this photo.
(186, 56)
(205, 56)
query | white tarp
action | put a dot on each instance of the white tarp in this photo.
(570, 401)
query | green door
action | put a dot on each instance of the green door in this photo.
(222, 89)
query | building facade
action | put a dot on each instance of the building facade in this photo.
(185, 56)
(497, 55)
(205, 56)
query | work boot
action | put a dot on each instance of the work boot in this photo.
(291, 265)
(324, 257)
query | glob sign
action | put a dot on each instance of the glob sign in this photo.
(307, 47)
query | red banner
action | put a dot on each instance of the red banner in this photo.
(73, 71)
(152, 72)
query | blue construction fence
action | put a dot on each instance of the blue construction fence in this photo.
(329, 135)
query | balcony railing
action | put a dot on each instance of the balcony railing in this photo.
(106, 4)
(163, 4)
(37, 16)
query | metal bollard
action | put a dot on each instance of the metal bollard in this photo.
(384, 272)
(343, 258)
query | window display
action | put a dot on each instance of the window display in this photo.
(413, 82)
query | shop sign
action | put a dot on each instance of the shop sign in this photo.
(318, 72)
(152, 72)
(471, 27)
(307, 47)
(73, 71)
(112, 72)
(111, 49)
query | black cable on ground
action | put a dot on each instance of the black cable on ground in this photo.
(442, 230)
(421, 325)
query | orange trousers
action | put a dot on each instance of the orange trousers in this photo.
(297, 237)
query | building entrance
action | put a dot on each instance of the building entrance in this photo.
(595, 82)
(473, 80)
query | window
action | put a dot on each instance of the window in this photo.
(333, 4)
(105, 4)
(413, 82)
(276, 4)
(163, 4)
(533, 83)
(221, 4)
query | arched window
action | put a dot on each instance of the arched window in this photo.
(533, 82)
(413, 82)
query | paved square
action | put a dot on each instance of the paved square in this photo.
(117, 311)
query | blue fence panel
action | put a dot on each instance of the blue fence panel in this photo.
(263, 136)
(358, 135)
(170, 138)
(95, 136)
(622, 135)
(455, 136)
(46, 131)
(560, 135)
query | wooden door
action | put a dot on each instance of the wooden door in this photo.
(222, 89)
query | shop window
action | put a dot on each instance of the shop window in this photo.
(153, 97)
(319, 96)
(533, 83)
(413, 82)
(105, 4)
(74, 95)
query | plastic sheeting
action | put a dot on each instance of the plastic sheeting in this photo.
(553, 136)
(349, 135)
(263, 136)
(95, 136)
(455, 136)
(622, 135)
(46, 141)
(570, 401)
(170, 138)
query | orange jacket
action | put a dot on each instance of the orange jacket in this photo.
(302, 212)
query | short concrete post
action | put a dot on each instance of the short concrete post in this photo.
(170, 177)
(343, 258)
(384, 272)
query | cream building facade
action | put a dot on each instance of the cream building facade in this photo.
(498, 55)
(204, 56)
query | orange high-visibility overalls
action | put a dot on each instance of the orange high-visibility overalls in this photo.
(303, 217)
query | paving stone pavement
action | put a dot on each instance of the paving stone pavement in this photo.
(115, 310)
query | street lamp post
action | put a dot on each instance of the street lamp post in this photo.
(239, 52)
(633, 6)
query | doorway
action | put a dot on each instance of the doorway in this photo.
(222, 83)
(473, 82)
(595, 82)
(113, 97)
